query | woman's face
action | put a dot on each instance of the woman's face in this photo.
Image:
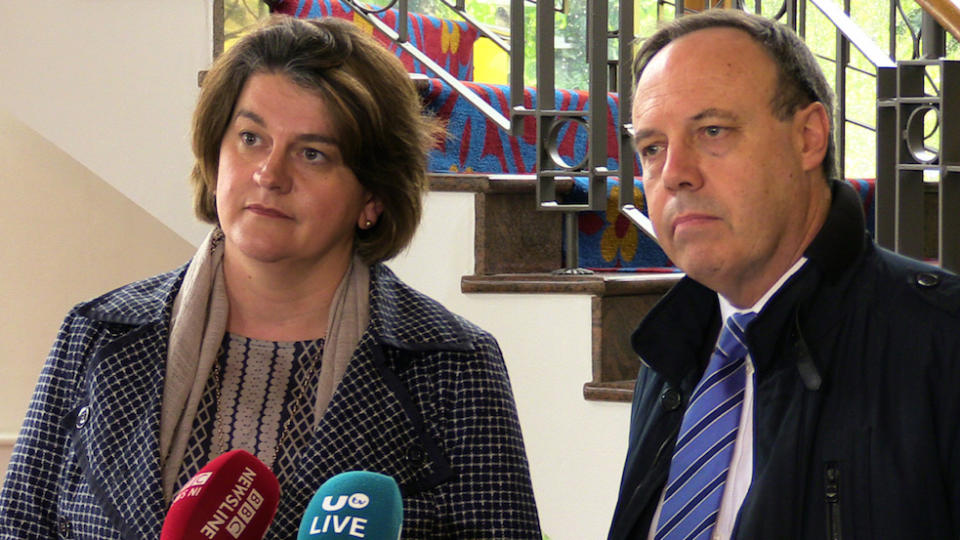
(283, 191)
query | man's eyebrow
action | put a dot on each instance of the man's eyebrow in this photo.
(306, 137)
(715, 113)
(643, 133)
(705, 114)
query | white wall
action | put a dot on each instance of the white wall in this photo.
(111, 84)
(576, 448)
(95, 105)
(67, 236)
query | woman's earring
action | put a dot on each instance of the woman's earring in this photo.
(367, 224)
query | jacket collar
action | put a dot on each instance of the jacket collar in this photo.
(128, 367)
(842, 238)
(680, 330)
(397, 313)
(141, 303)
(395, 309)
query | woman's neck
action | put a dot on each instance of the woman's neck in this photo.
(278, 301)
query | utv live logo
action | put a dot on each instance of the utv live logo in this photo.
(352, 525)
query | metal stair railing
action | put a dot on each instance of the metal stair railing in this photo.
(401, 37)
(604, 77)
(903, 157)
(900, 166)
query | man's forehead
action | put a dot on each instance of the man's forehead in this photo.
(723, 48)
(713, 65)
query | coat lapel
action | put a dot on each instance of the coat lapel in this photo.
(117, 440)
(379, 418)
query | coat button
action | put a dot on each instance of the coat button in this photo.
(64, 528)
(416, 455)
(927, 280)
(82, 416)
(670, 399)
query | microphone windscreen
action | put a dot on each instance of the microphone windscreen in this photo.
(234, 496)
(355, 504)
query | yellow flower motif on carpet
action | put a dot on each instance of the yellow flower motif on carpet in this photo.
(362, 23)
(449, 37)
(620, 235)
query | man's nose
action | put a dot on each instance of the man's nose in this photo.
(681, 168)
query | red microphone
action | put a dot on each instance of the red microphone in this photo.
(234, 496)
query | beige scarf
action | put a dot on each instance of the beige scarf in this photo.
(197, 327)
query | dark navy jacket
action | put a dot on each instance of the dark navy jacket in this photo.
(857, 395)
(426, 399)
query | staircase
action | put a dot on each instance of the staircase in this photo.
(486, 250)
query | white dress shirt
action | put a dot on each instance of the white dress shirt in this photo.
(740, 474)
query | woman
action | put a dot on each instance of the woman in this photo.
(284, 335)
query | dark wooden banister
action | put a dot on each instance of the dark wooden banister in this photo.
(946, 12)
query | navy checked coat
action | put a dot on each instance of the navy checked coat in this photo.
(426, 399)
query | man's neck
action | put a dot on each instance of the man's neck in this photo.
(727, 308)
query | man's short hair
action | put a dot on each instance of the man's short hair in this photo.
(374, 107)
(800, 80)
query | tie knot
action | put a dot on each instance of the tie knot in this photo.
(733, 341)
(742, 319)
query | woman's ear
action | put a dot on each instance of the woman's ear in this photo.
(370, 213)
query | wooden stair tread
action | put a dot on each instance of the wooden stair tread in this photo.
(517, 250)
(491, 183)
(599, 284)
(609, 391)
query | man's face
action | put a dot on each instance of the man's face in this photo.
(729, 186)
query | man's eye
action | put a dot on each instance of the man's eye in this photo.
(650, 150)
(713, 131)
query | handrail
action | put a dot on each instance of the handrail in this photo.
(946, 12)
(481, 28)
(492, 114)
(871, 51)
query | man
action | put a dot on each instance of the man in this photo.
(832, 408)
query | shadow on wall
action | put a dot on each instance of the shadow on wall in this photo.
(67, 236)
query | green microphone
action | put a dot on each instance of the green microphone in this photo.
(352, 505)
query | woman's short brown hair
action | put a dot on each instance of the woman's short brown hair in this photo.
(376, 112)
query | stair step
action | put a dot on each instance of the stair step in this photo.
(518, 249)
(511, 235)
(618, 304)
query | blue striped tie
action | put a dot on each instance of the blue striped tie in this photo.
(705, 444)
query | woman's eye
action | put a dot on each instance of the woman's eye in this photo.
(311, 154)
(248, 138)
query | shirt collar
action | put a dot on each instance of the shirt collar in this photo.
(727, 309)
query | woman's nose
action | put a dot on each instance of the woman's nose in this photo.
(272, 173)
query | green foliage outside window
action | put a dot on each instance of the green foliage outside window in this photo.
(571, 51)
(238, 16)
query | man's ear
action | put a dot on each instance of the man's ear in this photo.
(812, 134)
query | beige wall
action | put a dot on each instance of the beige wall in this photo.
(95, 104)
(67, 236)
(113, 84)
